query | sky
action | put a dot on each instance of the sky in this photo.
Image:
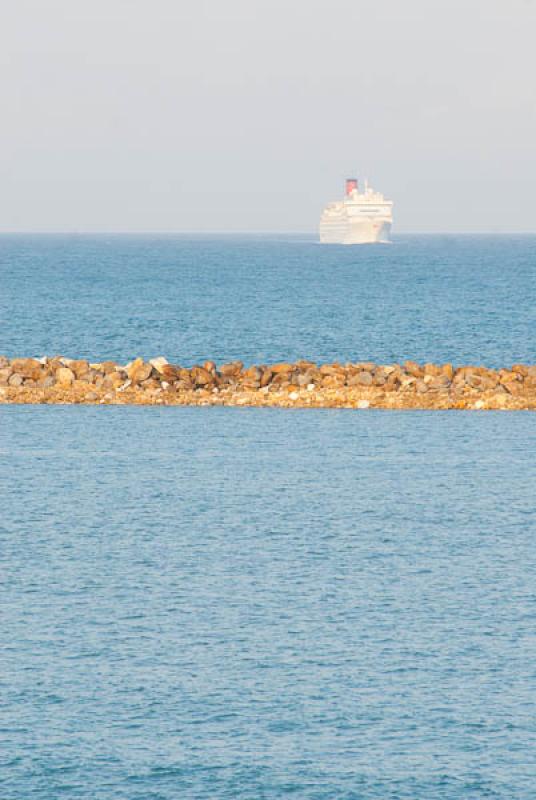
(247, 115)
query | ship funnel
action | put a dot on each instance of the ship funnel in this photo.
(351, 184)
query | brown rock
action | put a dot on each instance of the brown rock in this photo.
(108, 366)
(200, 376)
(333, 381)
(64, 376)
(439, 382)
(252, 374)
(114, 379)
(141, 373)
(233, 369)
(520, 369)
(282, 368)
(331, 369)
(171, 372)
(448, 370)
(412, 368)
(27, 367)
(421, 387)
(15, 379)
(364, 379)
(513, 387)
(79, 367)
(266, 377)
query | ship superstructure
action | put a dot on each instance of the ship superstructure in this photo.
(360, 218)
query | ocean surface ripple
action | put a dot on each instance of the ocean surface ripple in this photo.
(221, 603)
(260, 299)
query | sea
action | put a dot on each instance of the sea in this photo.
(260, 603)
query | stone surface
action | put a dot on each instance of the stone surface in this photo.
(64, 376)
(59, 379)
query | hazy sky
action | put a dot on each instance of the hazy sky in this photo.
(216, 115)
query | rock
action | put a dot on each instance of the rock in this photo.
(303, 378)
(27, 368)
(421, 387)
(172, 372)
(513, 387)
(364, 379)
(363, 404)
(283, 368)
(138, 370)
(108, 367)
(210, 366)
(266, 377)
(439, 382)
(4, 375)
(79, 368)
(520, 369)
(331, 369)
(294, 396)
(201, 376)
(114, 379)
(479, 404)
(64, 376)
(233, 369)
(159, 363)
(49, 381)
(412, 368)
(252, 374)
(4, 362)
(333, 381)
(92, 396)
(15, 379)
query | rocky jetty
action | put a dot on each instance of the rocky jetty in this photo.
(301, 384)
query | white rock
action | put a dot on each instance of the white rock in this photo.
(158, 363)
(164, 384)
(479, 404)
(363, 404)
(294, 396)
(310, 387)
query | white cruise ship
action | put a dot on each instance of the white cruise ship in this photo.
(361, 218)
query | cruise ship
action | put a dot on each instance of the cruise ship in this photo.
(360, 218)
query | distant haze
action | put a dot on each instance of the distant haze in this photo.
(247, 115)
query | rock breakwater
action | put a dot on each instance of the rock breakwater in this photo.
(358, 385)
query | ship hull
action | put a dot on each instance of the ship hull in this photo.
(354, 231)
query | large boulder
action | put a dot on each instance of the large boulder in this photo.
(64, 376)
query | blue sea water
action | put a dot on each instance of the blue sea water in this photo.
(263, 603)
(443, 298)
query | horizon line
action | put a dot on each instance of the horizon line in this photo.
(98, 232)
